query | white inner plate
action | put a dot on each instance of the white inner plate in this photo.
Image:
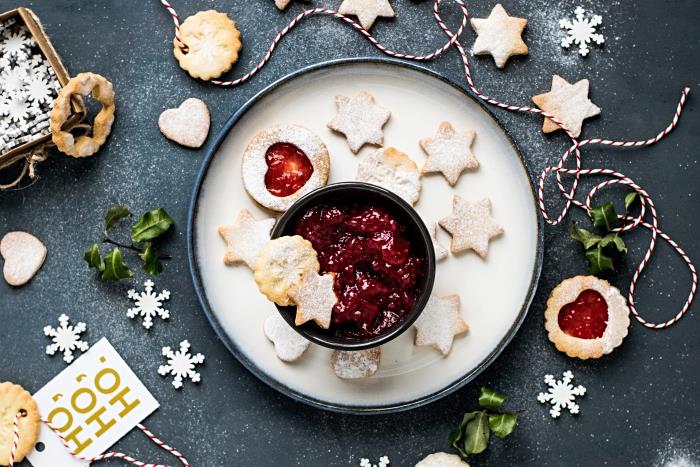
(495, 293)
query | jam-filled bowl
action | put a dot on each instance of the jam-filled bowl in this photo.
(381, 254)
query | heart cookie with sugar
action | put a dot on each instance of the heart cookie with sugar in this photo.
(187, 125)
(24, 255)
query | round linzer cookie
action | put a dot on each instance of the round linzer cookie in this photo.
(283, 163)
(13, 400)
(281, 265)
(586, 317)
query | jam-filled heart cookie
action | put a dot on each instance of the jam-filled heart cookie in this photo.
(586, 317)
(283, 163)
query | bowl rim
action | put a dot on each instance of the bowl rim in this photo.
(233, 348)
(418, 307)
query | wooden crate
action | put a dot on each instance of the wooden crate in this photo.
(28, 18)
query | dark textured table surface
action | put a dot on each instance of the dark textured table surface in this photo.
(641, 406)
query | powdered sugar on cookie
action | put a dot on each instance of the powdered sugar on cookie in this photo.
(289, 344)
(360, 119)
(391, 169)
(254, 165)
(569, 103)
(439, 322)
(471, 226)
(356, 364)
(314, 298)
(499, 35)
(187, 125)
(449, 152)
(367, 11)
(440, 251)
(245, 238)
(24, 255)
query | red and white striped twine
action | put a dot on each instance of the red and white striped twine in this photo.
(121, 455)
(559, 170)
(15, 438)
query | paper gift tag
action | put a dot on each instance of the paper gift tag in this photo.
(92, 403)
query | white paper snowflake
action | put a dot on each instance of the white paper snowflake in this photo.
(148, 304)
(383, 462)
(17, 43)
(66, 338)
(181, 364)
(38, 89)
(561, 394)
(581, 31)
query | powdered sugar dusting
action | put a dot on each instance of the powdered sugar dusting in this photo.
(357, 364)
(255, 167)
(360, 119)
(393, 170)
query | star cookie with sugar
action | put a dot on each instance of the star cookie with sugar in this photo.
(471, 226)
(449, 152)
(499, 35)
(440, 251)
(367, 11)
(440, 322)
(569, 103)
(314, 298)
(360, 119)
(282, 4)
(245, 238)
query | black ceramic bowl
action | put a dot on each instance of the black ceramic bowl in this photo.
(416, 232)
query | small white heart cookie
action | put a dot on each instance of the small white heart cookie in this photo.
(24, 255)
(187, 125)
(289, 344)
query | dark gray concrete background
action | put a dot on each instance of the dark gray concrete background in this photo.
(641, 405)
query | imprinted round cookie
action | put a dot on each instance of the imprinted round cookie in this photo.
(586, 317)
(283, 163)
(13, 400)
(213, 42)
(281, 265)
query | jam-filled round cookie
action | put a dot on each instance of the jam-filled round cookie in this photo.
(586, 317)
(283, 163)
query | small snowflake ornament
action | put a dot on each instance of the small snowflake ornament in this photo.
(66, 338)
(581, 31)
(561, 394)
(148, 304)
(383, 462)
(181, 364)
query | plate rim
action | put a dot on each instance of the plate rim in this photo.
(233, 348)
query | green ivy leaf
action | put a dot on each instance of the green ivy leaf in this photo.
(151, 225)
(605, 217)
(151, 262)
(614, 240)
(588, 239)
(502, 424)
(598, 261)
(491, 399)
(630, 199)
(476, 434)
(114, 215)
(92, 257)
(457, 435)
(115, 269)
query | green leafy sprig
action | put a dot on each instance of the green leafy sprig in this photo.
(144, 232)
(473, 433)
(601, 249)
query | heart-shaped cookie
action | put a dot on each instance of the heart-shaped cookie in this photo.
(24, 255)
(187, 125)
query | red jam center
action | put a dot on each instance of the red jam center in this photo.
(376, 270)
(586, 317)
(288, 169)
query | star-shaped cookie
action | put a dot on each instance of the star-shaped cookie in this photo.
(567, 102)
(360, 119)
(282, 4)
(499, 35)
(245, 238)
(471, 226)
(449, 152)
(440, 251)
(440, 322)
(315, 299)
(367, 11)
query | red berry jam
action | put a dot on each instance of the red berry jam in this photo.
(288, 169)
(586, 317)
(377, 273)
